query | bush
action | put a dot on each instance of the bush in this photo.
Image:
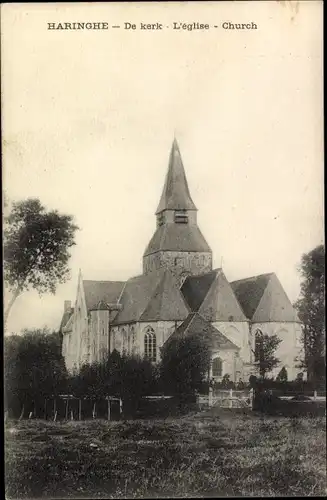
(34, 369)
(127, 377)
(184, 365)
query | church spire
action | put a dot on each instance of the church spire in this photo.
(176, 194)
(177, 243)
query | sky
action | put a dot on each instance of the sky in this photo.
(89, 118)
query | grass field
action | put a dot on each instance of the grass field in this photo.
(198, 456)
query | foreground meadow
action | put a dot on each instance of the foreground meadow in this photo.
(201, 456)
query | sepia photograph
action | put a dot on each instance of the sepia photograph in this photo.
(163, 249)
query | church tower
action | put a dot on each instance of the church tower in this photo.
(177, 243)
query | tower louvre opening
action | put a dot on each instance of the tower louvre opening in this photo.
(181, 217)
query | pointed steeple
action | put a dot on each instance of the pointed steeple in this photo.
(176, 194)
(177, 243)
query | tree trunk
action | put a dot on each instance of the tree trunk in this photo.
(15, 294)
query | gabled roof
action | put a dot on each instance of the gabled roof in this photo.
(167, 302)
(99, 292)
(195, 288)
(176, 194)
(177, 238)
(196, 325)
(152, 297)
(69, 325)
(263, 299)
(249, 292)
(65, 318)
(220, 303)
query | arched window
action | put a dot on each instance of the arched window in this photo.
(150, 344)
(217, 367)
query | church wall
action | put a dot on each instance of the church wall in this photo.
(230, 365)
(239, 334)
(179, 262)
(67, 349)
(122, 336)
(77, 342)
(290, 347)
(99, 341)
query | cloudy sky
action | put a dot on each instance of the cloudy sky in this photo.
(89, 118)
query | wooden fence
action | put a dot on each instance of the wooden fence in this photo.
(245, 398)
(227, 398)
(67, 407)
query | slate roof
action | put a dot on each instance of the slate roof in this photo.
(68, 327)
(101, 291)
(195, 288)
(263, 299)
(152, 297)
(220, 303)
(177, 238)
(195, 324)
(66, 316)
(249, 292)
(176, 194)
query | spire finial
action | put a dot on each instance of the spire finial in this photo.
(175, 143)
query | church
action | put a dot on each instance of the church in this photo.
(179, 293)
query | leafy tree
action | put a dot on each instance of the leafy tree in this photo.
(127, 377)
(265, 348)
(299, 377)
(34, 366)
(185, 363)
(87, 381)
(226, 383)
(36, 248)
(135, 378)
(311, 310)
(282, 376)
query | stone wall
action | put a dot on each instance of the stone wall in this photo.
(289, 349)
(99, 335)
(230, 365)
(179, 262)
(76, 343)
(131, 337)
(239, 334)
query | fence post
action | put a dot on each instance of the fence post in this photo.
(93, 412)
(315, 395)
(210, 400)
(67, 403)
(230, 398)
(22, 413)
(120, 406)
(251, 398)
(45, 409)
(108, 408)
